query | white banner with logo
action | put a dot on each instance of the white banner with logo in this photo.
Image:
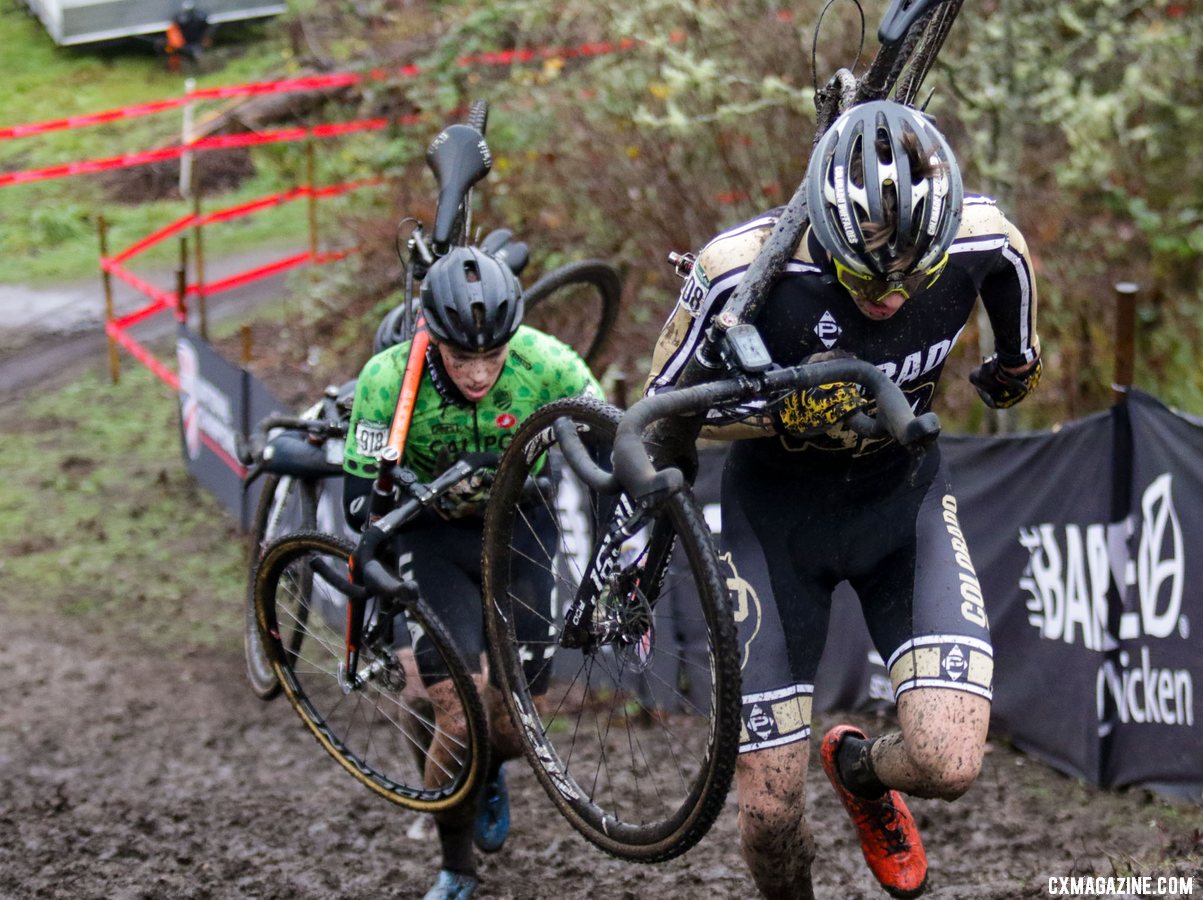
(219, 404)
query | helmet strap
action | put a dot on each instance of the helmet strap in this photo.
(441, 379)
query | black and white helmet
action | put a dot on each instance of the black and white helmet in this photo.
(860, 168)
(472, 300)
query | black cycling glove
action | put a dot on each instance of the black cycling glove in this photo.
(1002, 390)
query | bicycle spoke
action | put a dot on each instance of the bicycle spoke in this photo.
(632, 780)
(378, 722)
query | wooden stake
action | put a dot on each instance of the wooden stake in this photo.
(181, 286)
(1125, 338)
(311, 179)
(106, 280)
(199, 258)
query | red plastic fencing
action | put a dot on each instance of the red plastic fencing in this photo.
(219, 142)
(226, 142)
(314, 83)
(160, 300)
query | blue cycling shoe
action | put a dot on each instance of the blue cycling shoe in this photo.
(493, 819)
(451, 886)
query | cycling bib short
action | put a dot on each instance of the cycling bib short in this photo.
(443, 557)
(791, 534)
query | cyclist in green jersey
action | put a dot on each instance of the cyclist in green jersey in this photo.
(484, 373)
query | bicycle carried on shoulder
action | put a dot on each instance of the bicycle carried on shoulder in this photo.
(340, 629)
(336, 630)
(301, 457)
(636, 743)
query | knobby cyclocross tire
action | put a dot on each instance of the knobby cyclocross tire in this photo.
(383, 731)
(577, 303)
(929, 35)
(285, 504)
(634, 740)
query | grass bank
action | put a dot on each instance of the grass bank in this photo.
(48, 229)
(101, 520)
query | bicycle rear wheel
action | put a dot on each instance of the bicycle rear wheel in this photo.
(634, 736)
(897, 71)
(577, 303)
(383, 725)
(931, 32)
(285, 505)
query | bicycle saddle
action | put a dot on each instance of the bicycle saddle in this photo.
(459, 157)
(900, 15)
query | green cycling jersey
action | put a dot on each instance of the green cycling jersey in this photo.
(538, 370)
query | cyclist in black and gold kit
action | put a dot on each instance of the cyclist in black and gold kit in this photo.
(889, 270)
(485, 372)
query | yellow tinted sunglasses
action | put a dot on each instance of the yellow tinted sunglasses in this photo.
(875, 289)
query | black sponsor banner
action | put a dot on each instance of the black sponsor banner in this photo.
(1084, 542)
(1150, 680)
(219, 404)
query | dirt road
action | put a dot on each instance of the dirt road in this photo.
(47, 332)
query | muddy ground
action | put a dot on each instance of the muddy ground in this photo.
(136, 771)
(136, 766)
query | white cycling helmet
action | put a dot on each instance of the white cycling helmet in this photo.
(861, 168)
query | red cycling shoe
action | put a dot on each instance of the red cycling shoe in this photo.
(889, 837)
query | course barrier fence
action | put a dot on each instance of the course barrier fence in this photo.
(161, 300)
(327, 82)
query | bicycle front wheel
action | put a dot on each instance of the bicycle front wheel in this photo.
(577, 303)
(285, 505)
(415, 739)
(633, 730)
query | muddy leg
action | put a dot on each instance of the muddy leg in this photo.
(939, 750)
(775, 838)
(448, 751)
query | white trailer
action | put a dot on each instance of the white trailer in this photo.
(86, 21)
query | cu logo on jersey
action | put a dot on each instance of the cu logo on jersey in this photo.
(506, 420)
